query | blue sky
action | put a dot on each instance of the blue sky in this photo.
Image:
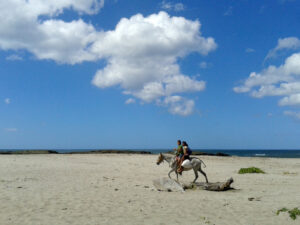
(142, 74)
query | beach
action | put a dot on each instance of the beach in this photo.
(118, 189)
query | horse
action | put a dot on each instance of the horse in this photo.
(195, 164)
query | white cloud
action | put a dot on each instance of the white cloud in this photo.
(141, 52)
(130, 101)
(172, 6)
(14, 58)
(7, 101)
(64, 42)
(179, 106)
(293, 99)
(11, 129)
(289, 43)
(150, 71)
(283, 80)
(295, 115)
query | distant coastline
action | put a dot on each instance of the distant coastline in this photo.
(109, 151)
(239, 153)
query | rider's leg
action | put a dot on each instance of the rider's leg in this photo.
(180, 168)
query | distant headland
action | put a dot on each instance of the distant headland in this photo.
(105, 151)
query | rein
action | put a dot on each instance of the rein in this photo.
(168, 159)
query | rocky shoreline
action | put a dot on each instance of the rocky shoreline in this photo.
(205, 153)
(28, 152)
(108, 151)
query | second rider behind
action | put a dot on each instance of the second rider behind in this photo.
(186, 155)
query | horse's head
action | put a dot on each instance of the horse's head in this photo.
(160, 159)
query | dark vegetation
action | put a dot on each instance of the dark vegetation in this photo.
(250, 170)
(205, 153)
(24, 152)
(293, 212)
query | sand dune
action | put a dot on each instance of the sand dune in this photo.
(117, 189)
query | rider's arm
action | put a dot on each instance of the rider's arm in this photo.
(185, 150)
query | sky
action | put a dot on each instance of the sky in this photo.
(98, 74)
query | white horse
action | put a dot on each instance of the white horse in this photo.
(194, 163)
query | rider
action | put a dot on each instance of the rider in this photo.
(186, 155)
(178, 150)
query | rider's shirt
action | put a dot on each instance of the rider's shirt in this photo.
(179, 150)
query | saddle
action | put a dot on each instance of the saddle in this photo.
(187, 164)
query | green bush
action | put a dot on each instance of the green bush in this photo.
(293, 212)
(250, 170)
(282, 210)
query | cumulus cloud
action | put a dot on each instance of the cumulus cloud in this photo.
(283, 81)
(293, 99)
(179, 106)
(165, 5)
(289, 43)
(141, 53)
(64, 42)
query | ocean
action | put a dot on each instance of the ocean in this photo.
(241, 153)
(253, 153)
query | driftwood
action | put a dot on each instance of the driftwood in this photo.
(217, 186)
(167, 184)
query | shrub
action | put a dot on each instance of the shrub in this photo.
(250, 170)
(293, 212)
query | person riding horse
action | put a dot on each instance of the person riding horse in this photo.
(195, 164)
(178, 150)
(186, 155)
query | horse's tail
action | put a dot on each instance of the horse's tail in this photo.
(201, 161)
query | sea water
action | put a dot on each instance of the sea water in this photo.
(242, 153)
(250, 153)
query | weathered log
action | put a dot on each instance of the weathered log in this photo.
(167, 184)
(217, 186)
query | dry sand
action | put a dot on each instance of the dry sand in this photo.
(117, 189)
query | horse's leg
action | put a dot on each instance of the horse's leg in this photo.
(175, 168)
(196, 175)
(204, 174)
(170, 172)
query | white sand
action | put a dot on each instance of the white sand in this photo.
(118, 189)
